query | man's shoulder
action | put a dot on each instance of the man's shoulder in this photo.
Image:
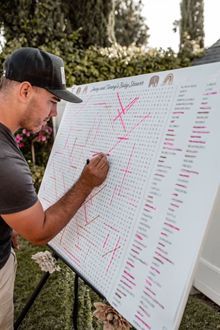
(8, 150)
(8, 145)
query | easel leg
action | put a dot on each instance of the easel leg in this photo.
(31, 300)
(75, 306)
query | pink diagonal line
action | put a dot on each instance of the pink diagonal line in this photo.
(122, 138)
(77, 229)
(64, 185)
(93, 127)
(123, 112)
(105, 242)
(93, 152)
(126, 170)
(91, 201)
(121, 120)
(85, 213)
(88, 240)
(83, 228)
(129, 104)
(88, 136)
(78, 247)
(113, 254)
(86, 254)
(114, 191)
(94, 195)
(109, 226)
(67, 140)
(132, 202)
(97, 130)
(116, 248)
(88, 223)
(73, 257)
(121, 105)
(126, 108)
(55, 187)
(128, 133)
(71, 153)
(63, 231)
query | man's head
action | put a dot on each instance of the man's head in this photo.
(40, 69)
(33, 82)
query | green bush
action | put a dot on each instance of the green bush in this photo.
(98, 64)
(37, 174)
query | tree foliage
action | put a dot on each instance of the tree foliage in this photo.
(130, 25)
(94, 18)
(40, 22)
(60, 25)
(34, 22)
(191, 25)
(37, 23)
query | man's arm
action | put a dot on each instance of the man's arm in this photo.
(39, 226)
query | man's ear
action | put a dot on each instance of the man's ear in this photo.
(25, 91)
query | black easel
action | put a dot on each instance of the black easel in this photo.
(37, 291)
(31, 300)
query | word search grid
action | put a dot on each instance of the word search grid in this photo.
(137, 236)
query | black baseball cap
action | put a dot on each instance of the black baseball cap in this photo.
(41, 69)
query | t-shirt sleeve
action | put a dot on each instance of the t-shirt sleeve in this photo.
(17, 191)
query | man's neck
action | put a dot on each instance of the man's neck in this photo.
(8, 118)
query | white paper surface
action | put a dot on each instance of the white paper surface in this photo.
(137, 236)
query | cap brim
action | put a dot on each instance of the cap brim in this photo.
(65, 95)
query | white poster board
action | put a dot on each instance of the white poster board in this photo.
(137, 237)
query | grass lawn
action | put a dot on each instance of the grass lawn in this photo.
(53, 307)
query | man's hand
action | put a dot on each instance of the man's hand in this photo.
(15, 240)
(44, 225)
(95, 172)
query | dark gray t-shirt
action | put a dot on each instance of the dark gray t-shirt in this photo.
(17, 192)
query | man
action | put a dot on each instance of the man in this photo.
(33, 82)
